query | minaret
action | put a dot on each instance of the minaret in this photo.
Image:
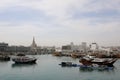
(34, 45)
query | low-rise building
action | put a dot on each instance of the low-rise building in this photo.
(75, 48)
(3, 47)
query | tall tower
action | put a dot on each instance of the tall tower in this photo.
(33, 47)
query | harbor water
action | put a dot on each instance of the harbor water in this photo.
(47, 68)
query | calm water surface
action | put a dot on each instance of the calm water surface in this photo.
(47, 68)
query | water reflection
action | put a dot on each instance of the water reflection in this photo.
(85, 69)
(47, 66)
(2, 61)
(23, 65)
(99, 69)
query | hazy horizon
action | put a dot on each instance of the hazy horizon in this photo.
(56, 23)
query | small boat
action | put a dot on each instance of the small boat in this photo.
(99, 61)
(68, 64)
(57, 54)
(4, 58)
(76, 55)
(24, 59)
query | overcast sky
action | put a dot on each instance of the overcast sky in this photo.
(58, 22)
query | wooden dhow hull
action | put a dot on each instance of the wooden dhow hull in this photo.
(92, 61)
(26, 62)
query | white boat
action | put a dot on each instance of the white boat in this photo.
(24, 59)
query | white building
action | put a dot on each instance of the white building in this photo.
(75, 48)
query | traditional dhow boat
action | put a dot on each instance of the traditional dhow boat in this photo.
(24, 59)
(99, 61)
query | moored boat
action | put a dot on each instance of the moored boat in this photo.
(24, 59)
(77, 55)
(68, 64)
(99, 61)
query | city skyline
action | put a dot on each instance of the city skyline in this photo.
(57, 23)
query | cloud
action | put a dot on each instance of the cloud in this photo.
(60, 21)
(22, 14)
